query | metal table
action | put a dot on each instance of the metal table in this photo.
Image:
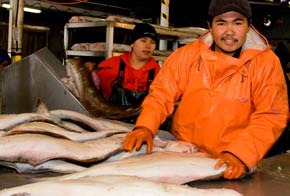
(271, 178)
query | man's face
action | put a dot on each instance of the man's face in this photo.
(229, 31)
(144, 47)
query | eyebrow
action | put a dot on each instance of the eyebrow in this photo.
(235, 20)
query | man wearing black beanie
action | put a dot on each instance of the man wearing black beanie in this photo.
(124, 80)
(231, 90)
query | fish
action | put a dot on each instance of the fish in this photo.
(166, 167)
(58, 166)
(37, 148)
(41, 108)
(8, 121)
(92, 99)
(94, 123)
(159, 144)
(76, 78)
(73, 127)
(56, 131)
(174, 146)
(70, 85)
(112, 185)
(2, 133)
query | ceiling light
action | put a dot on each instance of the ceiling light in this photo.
(267, 21)
(32, 10)
(26, 9)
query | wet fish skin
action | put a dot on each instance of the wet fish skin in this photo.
(112, 185)
(41, 108)
(181, 146)
(58, 166)
(70, 85)
(96, 124)
(7, 121)
(76, 77)
(159, 144)
(93, 100)
(167, 167)
(73, 127)
(56, 131)
(173, 145)
(2, 133)
(37, 148)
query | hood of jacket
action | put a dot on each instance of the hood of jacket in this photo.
(254, 45)
(151, 64)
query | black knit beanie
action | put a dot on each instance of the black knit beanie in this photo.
(218, 7)
(143, 30)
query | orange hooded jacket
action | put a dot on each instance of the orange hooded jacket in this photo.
(229, 104)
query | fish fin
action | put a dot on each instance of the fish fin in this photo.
(41, 108)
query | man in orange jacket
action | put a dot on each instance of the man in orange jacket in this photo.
(233, 97)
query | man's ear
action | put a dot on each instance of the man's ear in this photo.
(208, 25)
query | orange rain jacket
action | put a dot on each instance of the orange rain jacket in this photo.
(229, 104)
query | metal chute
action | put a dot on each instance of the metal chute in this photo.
(37, 76)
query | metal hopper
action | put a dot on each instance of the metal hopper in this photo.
(36, 76)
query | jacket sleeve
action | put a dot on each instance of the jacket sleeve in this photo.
(164, 91)
(269, 118)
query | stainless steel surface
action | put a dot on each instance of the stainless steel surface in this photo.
(9, 178)
(271, 178)
(36, 76)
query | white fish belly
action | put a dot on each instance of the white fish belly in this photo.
(111, 186)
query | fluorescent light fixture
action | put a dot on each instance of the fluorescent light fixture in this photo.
(32, 10)
(26, 9)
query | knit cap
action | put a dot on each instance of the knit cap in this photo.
(218, 7)
(143, 30)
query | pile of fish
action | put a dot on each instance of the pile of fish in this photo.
(79, 82)
(88, 152)
(65, 141)
(39, 141)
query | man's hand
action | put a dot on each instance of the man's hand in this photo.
(137, 137)
(235, 167)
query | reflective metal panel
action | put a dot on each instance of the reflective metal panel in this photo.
(36, 76)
